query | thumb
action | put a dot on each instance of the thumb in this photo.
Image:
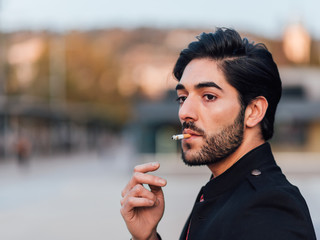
(156, 191)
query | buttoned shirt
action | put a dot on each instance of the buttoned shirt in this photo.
(252, 200)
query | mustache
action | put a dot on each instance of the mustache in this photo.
(193, 127)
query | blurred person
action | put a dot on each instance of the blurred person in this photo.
(228, 90)
(23, 149)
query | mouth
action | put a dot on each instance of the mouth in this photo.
(192, 133)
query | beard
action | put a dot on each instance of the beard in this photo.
(217, 146)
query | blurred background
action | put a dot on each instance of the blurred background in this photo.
(86, 94)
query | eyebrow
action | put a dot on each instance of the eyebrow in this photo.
(200, 85)
(180, 87)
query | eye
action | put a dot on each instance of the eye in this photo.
(181, 99)
(210, 97)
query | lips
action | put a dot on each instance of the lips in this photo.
(192, 133)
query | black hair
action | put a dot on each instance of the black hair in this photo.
(247, 66)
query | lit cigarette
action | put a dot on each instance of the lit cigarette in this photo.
(180, 136)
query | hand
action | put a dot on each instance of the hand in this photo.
(142, 209)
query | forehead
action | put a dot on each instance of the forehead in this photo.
(203, 70)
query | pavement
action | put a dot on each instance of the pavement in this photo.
(77, 196)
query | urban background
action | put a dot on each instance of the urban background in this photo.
(80, 106)
(78, 90)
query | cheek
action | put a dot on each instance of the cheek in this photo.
(220, 116)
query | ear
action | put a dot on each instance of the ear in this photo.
(255, 111)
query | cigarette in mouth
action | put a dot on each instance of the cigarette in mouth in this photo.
(180, 136)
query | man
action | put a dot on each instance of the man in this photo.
(228, 90)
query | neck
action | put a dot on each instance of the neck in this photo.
(221, 166)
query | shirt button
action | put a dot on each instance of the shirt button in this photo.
(255, 172)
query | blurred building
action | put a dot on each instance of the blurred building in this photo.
(49, 129)
(298, 115)
(37, 105)
(69, 92)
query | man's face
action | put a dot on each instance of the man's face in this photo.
(210, 111)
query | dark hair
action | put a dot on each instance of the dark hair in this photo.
(248, 67)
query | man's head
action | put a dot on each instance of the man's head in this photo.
(230, 74)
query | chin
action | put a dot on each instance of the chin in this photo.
(191, 158)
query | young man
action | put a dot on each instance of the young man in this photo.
(228, 90)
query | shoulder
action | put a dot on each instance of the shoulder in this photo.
(270, 188)
(270, 184)
(273, 208)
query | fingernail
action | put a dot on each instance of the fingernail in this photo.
(155, 164)
(150, 202)
(162, 181)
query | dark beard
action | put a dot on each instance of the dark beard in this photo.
(218, 146)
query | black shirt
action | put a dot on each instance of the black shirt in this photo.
(251, 200)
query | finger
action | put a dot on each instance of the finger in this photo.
(147, 167)
(155, 189)
(134, 202)
(139, 191)
(142, 178)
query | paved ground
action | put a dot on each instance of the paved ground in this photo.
(77, 197)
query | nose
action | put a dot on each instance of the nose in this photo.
(188, 110)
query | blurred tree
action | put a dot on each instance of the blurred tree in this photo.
(93, 70)
(27, 72)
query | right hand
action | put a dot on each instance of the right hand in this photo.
(142, 209)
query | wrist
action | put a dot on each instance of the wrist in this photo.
(153, 236)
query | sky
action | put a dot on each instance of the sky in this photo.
(268, 18)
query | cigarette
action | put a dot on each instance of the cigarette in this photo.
(180, 136)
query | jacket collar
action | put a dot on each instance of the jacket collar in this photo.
(254, 159)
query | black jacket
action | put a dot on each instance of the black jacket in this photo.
(252, 200)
